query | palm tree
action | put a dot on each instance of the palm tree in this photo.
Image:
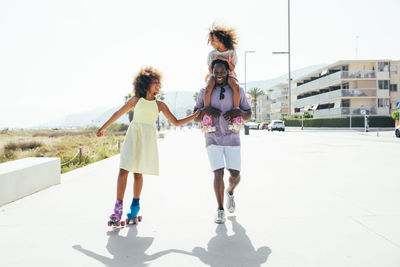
(254, 93)
(195, 96)
(130, 114)
(160, 97)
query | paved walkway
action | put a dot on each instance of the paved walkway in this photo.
(314, 198)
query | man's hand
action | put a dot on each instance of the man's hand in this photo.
(229, 115)
(212, 111)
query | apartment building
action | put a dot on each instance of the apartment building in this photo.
(348, 87)
(263, 108)
(278, 95)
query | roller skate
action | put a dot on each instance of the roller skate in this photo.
(237, 123)
(115, 218)
(132, 216)
(206, 124)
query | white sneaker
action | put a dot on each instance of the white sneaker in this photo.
(220, 217)
(230, 202)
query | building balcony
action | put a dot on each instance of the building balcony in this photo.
(333, 79)
(342, 93)
(279, 105)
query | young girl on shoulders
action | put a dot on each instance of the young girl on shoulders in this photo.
(224, 42)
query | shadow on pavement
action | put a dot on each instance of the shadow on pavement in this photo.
(235, 250)
(126, 250)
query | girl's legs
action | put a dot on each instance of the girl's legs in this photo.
(233, 83)
(207, 119)
(210, 86)
(137, 189)
(237, 121)
(121, 185)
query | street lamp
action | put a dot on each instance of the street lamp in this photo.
(245, 81)
(288, 53)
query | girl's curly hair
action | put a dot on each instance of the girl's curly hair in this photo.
(225, 35)
(145, 76)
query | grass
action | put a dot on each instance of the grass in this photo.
(63, 144)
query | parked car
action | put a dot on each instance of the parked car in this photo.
(263, 126)
(397, 131)
(276, 125)
(252, 125)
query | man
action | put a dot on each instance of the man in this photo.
(223, 145)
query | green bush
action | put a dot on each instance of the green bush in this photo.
(395, 115)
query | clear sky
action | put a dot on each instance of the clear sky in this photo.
(63, 57)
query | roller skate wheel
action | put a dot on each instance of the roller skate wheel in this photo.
(140, 218)
(109, 223)
(117, 223)
(122, 223)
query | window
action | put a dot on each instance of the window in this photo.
(393, 87)
(345, 103)
(345, 86)
(345, 68)
(393, 69)
(383, 84)
(383, 66)
(383, 102)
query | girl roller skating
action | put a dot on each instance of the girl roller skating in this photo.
(139, 152)
(224, 41)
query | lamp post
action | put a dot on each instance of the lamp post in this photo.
(245, 79)
(288, 53)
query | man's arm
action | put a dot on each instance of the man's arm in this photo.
(207, 110)
(229, 115)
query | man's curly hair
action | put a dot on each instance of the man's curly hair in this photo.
(225, 35)
(141, 83)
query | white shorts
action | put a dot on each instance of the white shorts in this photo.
(219, 155)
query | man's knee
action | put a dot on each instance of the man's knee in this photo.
(235, 174)
(218, 174)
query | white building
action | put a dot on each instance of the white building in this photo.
(348, 86)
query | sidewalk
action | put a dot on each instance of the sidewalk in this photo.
(306, 199)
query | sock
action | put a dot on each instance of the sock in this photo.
(135, 202)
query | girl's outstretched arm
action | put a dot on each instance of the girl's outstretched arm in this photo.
(164, 108)
(124, 109)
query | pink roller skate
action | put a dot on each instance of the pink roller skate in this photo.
(237, 123)
(206, 124)
(115, 218)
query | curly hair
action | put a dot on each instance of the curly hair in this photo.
(218, 61)
(145, 76)
(225, 35)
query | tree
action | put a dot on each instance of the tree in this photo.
(160, 97)
(254, 93)
(395, 115)
(195, 96)
(130, 113)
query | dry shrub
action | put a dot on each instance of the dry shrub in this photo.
(22, 145)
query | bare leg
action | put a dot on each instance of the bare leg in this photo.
(210, 86)
(233, 83)
(121, 183)
(219, 187)
(137, 184)
(234, 180)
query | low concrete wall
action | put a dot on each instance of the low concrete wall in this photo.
(23, 177)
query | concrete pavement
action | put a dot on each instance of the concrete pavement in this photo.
(306, 199)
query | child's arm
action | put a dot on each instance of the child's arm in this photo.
(124, 109)
(164, 108)
(231, 66)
